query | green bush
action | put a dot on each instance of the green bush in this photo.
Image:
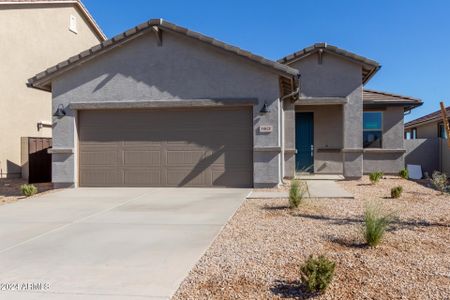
(404, 174)
(317, 273)
(28, 189)
(396, 192)
(375, 225)
(375, 177)
(439, 180)
(295, 194)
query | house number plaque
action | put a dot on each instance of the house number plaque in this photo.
(265, 128)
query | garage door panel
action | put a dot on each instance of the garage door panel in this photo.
(231, 177)
(207, 147)
(234, 158)
(187, 177)
(100, 177)
(183, 157)
(99, 158)
(142, 177)
(141, 158)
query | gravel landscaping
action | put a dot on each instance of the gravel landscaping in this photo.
(259, 252)
(10, 189)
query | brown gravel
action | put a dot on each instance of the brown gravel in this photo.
(258, 254)
(10, 189)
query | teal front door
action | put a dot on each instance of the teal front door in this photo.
(304, 142)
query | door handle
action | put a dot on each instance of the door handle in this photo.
(312, 150)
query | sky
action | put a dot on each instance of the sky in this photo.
(410, 39)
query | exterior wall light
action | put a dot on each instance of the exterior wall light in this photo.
(60, 112)
(264, 109)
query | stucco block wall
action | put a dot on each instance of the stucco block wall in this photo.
(427, 131)
(179, 69)
(33, 38)
(337, 77)
(327, 135)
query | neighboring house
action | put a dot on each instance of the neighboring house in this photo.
(160, 105)
(428, 126)
(34, 35)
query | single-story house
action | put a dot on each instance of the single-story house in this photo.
(428, 126)
(161, 105)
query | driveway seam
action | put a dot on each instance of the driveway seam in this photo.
(68, 224)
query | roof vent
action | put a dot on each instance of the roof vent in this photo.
(73, 24)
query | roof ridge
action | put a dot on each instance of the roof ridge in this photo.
(37, 80)
(370, 66)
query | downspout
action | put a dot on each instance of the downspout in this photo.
(281, 130)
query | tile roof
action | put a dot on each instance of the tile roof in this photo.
(370, 67)
(78, 3)
(434, 116)
(43, 79)
(372, 97)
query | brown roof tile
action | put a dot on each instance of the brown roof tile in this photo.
(372, 97)
(370, 67)
(42, 81)
(434, 116)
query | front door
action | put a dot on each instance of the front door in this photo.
(304, 142)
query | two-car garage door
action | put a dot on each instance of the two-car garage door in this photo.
(196, 147)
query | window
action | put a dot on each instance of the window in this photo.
(411, 134)
(441, 131)
(372, 129)
(414, 133)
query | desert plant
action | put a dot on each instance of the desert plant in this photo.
(375, 177)
(295, 194)
(404, 174)
(396, 192)
(439, 181)
(317, 273)
(375, 225)
(28, 189)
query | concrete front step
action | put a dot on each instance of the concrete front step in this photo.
(319, 176)
(316, 189)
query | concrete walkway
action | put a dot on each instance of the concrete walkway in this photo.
(316, 189)
(127, 243)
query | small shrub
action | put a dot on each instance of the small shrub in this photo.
(295, 194)
(404, 174)
(375, 225)
(317, 273)
(439, 181)
(28, 189)
(375, 177)
(396, 192)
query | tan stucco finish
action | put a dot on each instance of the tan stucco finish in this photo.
(33, 37)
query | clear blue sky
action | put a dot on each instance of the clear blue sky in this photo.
(410, 39)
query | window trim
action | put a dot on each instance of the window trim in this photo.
(381, 127)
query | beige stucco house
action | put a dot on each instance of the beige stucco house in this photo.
(34, 35)
(426, 127)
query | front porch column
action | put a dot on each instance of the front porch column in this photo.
(353, 135)
(289, 139)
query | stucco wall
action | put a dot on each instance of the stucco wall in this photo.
(391, 160)
(427, 131)
(33, 37)
(327, 137)
(337, 77)
(181, 69)
(424, 152)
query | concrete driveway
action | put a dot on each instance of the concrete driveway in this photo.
(127, 243)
